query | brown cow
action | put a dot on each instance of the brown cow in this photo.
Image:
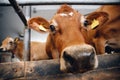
(103, 30)
(16, 47)
(66, 38)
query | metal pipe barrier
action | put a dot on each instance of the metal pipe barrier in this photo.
(59, 2)
(26, 51)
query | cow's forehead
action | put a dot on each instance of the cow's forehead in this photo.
(61, 17)
(65, 8)
(8, 39)
(66, 14)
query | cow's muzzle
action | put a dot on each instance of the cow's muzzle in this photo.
(78, 58)
(1, 49)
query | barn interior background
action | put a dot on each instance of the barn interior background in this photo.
(11, 25)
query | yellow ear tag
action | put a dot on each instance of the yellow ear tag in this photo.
(16, 39)
(42, 28)
(94, 24)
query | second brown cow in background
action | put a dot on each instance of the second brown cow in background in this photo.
(101, 31)
(16, 47)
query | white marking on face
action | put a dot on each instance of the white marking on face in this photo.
(82, 20)
(54, 22)
(71, 13)
(63, 14)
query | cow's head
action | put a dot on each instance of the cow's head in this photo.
(65, 35)
(95, 20)
(8, 44)
(94, 32)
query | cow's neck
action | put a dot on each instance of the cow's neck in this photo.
(18, 50)
(86, 36)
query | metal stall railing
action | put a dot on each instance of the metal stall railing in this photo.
(26, 50)
(27, 31)
(58, 2)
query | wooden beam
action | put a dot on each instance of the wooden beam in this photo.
(101, 74)
(12, 70)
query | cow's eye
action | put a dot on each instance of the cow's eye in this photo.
(86, 23)
(52, 28)
(10, 42)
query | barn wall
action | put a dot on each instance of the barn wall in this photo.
(10, 23)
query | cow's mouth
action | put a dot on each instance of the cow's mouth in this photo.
(4, 50)
(110, 50)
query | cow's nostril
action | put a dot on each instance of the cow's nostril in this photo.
(92, 56)
(1, 49)
(68, 57)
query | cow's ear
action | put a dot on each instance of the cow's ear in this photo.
(16, 39)
(96, 20)
(38, 24)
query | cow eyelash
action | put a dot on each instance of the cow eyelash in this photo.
(10, 42)
(86, 23)
(52, 28)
